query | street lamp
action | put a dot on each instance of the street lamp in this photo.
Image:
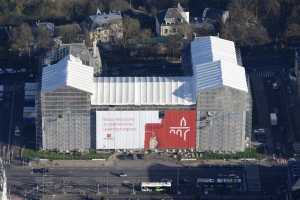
(98, 189)
(133, 191)
(106, 184)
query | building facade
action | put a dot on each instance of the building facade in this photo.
(66, 119)
(106, 27)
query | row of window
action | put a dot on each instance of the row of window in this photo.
(173, 30)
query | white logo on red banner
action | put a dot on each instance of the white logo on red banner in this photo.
(182, 130)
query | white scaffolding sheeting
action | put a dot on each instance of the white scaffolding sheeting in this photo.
(144, 91)
(210, 49)
(215, 64)
(68, 72)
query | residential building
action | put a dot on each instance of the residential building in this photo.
(171, 21)
(106, 27)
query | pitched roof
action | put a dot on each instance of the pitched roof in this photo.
(68, 72)
(101, 19)
(215, 64)
(170, 13)
(118, 90)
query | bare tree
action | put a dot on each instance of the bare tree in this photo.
(131, 29)
(21, 39)
(69, 32)
(244, 27)
(43, 39)
(119, 5)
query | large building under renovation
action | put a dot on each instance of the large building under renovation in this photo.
(208, 111)
(223, 100)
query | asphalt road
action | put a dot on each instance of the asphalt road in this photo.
(105, 181)
(268, 100)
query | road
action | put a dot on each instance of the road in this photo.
(268, 100)
(105, 181)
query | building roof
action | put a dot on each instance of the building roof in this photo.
(220, 73)
(68, 72)
(118, 90)
(215, 64)
(144, 91)
(172, 13)
(210, 49)
(101, 19)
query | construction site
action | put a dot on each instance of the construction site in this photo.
(210, 110)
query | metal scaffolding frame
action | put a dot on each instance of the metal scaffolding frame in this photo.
(65, 121)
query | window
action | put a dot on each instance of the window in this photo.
(165, 31)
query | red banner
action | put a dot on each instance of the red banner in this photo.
(177, 130)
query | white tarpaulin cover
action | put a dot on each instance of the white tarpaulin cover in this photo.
(215, 64)
(123, 129)
(144, 91)
(68, 72)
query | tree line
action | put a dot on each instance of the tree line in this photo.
(251, 22)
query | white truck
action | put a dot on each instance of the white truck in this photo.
(273, 119)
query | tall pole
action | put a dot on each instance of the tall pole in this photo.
(177, 180)
(106, 184)
(133, 191)
(64, 186)
(98, 190)
(43, 181)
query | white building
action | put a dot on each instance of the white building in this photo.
(171, 21)
(73, 101)
(223, 100)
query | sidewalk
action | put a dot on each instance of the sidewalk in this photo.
(114, 162)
